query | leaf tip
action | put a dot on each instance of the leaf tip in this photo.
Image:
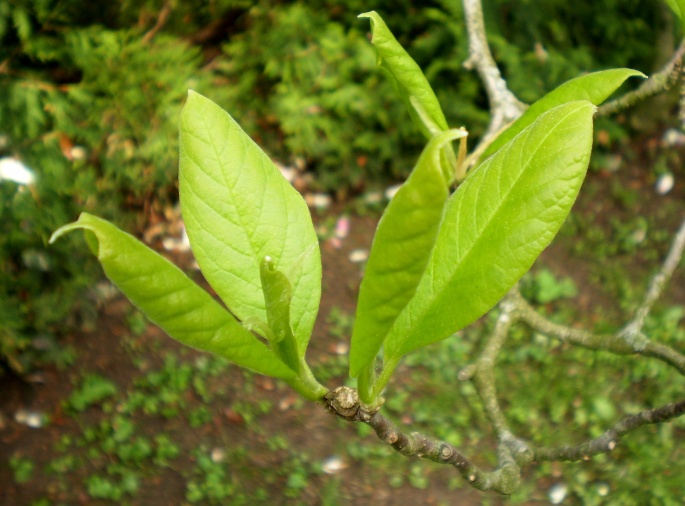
(373, 17)
(57, 234)
(268, 264)
(65, 229)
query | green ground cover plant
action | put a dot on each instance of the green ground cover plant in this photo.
(439, 260)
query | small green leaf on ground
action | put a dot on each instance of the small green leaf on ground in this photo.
(92, 390)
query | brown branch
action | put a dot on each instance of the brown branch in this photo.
(162, 18)
(344, 402)
(608, 441)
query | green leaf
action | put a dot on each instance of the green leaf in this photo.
(495, 226)
(400, 252)
(171, 300)
(595, 88)
(413, 87)
(238, 208)
(678, 7)
(278, 294)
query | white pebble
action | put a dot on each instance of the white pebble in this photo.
(32, 419)
(342, 227)
(603, 489)
(318, 200)
(78, 153)
(390, 191)
(557, 493)
(673, 137)
(665, 183)
(13, 170)
(333, 465)
(218, 455)
(358, 256)
(288, 173)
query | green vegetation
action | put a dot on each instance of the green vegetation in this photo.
(93, 95)
(96, 148)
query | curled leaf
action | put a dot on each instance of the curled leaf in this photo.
(278, 295)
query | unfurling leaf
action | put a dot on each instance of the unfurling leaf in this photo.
(277, 295)
(495, 226)
(173, 301)
(413, 87)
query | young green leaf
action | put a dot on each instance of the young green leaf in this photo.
(238, 208)
(678, 7)
(277, 295)
(172, 300)
(400, 252)
(413, 87)
(495, 226)
(595, 88)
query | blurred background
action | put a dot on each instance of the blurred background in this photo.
(97, 407)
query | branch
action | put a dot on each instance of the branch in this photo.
(344, 402)
(657, 285)
(608, 441)
(613, 343)
(484, 373)
(630, 340)
(159, 24)
(657, 83)
(504, 106)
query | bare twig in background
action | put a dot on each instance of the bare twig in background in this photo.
(657, 285)
(504, 106)
(659, 82)
(630, 340)
(162, 18)
(608, 441)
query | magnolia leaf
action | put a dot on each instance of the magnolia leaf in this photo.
(400, 252)
(172, 300)
(595, 88)
(238, 208)
(495, 226)
(412, 85)
(678, 7)
(277, 295)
